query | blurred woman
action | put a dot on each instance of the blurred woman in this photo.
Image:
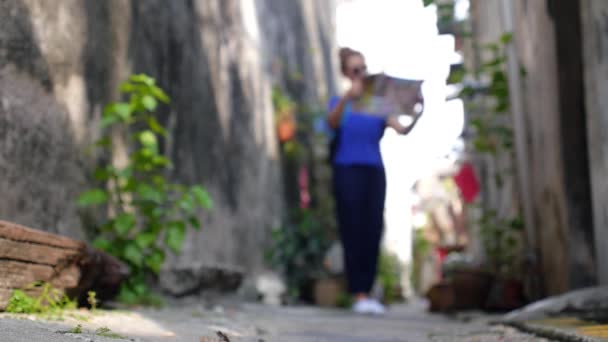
(359, 181)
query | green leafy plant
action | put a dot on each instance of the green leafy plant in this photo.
(421, 248)
(389, 275)
(50, 301)
(298, 250)
(148, 215)
(284, 106)
(345, 300)
(502, 239)
(493, 132)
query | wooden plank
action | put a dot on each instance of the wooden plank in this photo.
(16, 274)
(16, 232)
(39, 254)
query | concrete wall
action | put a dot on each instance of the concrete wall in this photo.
(60, 62)
(595, 47)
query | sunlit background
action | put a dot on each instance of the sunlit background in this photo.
(400, 37)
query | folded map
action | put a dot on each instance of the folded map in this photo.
(385, 95)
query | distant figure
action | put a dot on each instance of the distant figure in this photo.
(359, 182)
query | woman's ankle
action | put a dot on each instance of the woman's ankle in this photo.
(361, 296)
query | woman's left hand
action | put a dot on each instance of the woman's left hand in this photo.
(393, 122)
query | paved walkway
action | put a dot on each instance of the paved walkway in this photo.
(248, 322)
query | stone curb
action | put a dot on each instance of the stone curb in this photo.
(550, 332)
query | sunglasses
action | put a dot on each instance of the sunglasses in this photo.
(358, 71)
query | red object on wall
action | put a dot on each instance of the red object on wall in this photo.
(303, 185)
(467, 182)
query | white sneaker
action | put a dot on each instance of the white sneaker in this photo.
(369, 307)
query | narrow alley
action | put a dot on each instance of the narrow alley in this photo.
(255, 323)
(303, 170)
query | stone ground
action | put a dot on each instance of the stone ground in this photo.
(253, 322)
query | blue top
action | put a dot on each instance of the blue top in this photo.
(360, 136)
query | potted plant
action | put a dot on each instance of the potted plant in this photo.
(502, 240)
(389, 277)
(470, 282)
(328, 290)
(285, 110)
(297, 251)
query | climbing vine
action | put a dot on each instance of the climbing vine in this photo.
(486, 94)
(493, 132)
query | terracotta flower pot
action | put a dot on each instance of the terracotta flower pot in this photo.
(327, 292)
(286, 130)
(506, 295)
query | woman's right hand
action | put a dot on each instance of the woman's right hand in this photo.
(356, 89)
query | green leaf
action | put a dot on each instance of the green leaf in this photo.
(456, 76)
(123, 223)
(102, 243)
(127, 295)
(133, 254)
(104, 142)
(160, 95)
(155, 126)
(92, 197)
(506, 38)
(194, 222)
(108, 121)
(467, 91)
(491, 47)
(161, 161)
(102, 174)
(478, 124)
(149, 102)
(144, 240)
(155, 260)
(142, 78)
(121, 110)
(517, 224)
(149, 193)
(501, 107)
(187, 203)
(140, 289)
(158, 212)
(494, 63)
(499, 180)
(176, 233)
(127, 87)
(201, 196)
(148, 139)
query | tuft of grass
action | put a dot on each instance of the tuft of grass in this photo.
(76, 330)
(106, 332)
(51, 302)
(92, 300)
(345, 300)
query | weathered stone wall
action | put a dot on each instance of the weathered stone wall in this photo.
(595, 48)
(60, 62)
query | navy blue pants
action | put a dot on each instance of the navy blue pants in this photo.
(359, 193)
